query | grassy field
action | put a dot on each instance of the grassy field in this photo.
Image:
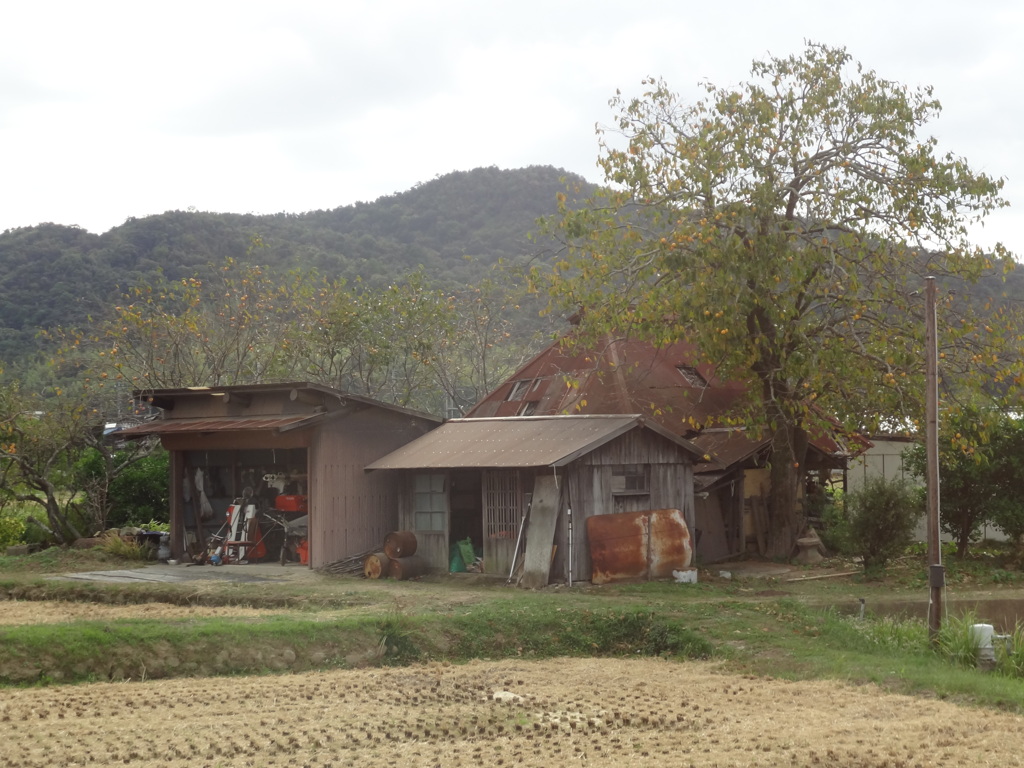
(55, 631)
(329, 671)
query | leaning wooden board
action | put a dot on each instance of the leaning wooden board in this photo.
(540, 533)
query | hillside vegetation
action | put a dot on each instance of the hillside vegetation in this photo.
(457, 227)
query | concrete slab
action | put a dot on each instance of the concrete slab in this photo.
(172, 574)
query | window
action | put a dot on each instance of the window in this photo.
(528, 409)
(631, 479)
(503, 504)
(692, 376)
(430, 504)
(519, 389)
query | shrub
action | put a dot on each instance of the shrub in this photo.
(1011, 654)
(957, 641)
(139, 492)
(126, 549)
(12, 529)
(876, 522)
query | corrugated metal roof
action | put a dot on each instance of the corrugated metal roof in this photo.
(629, 376)
(623, 376)
(729, 446)
(329, 394)
(528, 441)
(736, 446)
(235, 424)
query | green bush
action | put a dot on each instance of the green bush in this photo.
(875, 523)
(1011, 654)
(12, 529)
(137, 494)
(957, 641)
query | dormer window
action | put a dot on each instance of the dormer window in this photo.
(528, 409)
(518, 390)
(692, 376)
(522, 388)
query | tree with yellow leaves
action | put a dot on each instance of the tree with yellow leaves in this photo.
(783, 226)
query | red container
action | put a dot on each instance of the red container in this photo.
(292, 503)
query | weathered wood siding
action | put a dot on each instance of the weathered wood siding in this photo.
(432, 546)
(351, 510)
(503, 505)
(719, 522)
(177, 469)
(590, 492)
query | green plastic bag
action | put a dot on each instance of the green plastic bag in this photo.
(466, 550)
(455, 563)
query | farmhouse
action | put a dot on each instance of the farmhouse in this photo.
(294, 454)
(478, 479)
(668, 388)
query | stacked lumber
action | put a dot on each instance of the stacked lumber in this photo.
(347, 566)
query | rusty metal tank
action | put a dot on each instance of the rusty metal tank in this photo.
(400, 544)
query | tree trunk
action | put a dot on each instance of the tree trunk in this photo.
(963, 538)
(785, 515)
(30, 520)
(64, 530)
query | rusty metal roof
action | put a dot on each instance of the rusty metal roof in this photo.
(526, 441)
(664, 384)
(230, 424)
(622, 376)
(735, 446)
(730, 446)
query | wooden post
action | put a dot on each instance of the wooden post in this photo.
(936, 575)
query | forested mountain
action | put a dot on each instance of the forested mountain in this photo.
(456, 227)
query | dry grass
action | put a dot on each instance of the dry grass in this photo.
(560, 712)
(23, 612)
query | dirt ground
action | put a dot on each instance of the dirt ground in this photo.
(642, 712)
(21, 612)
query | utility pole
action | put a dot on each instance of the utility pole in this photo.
(936, 573)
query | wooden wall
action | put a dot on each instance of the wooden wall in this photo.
(586, 486)
(719, 518)
(588, 491)
(351, 510)
(431, 546)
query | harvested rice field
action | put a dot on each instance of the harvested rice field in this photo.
(23, 612)
(602, 712)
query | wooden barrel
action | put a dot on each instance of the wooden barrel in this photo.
(400, 544)
(403, 568)
(376, 566)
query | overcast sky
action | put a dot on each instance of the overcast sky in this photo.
(110, 110)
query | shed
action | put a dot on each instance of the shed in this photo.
(673, 387)
(293, 449)
(477, 478)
